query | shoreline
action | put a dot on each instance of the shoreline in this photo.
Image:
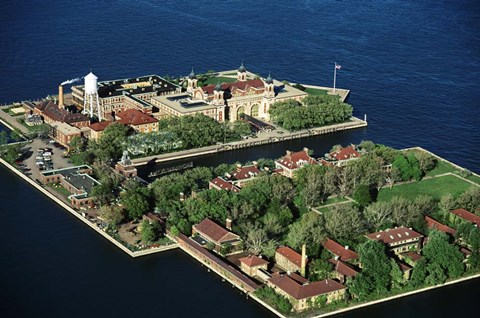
(84, 220)
(221, 274)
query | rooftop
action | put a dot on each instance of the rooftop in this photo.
(253, 260)
(343, 268)
(100, 126)
(135, 117)
(290, 254)
(295, 160)
(345, 153)
(468, 216)
(434, 224)
(306, 290)
(66, 129)
(183, 103)
(225, 185)
(245, 172)
(51, 110)
(343, 253)
(134, 86)
(395, 235)
(214, 231)
(76, 177)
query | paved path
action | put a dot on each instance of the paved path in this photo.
(13, 122)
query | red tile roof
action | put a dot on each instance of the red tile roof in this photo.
(295, 160)
(433, 224)
(252, 261)
(215, 232)
(465, 251)
(343, 268)
(51, 110)
(290, 254)
(394, 235)
(415, 257)
(308, 290)
(338, 250)
(466, 215)
(345, 153)
(100, 126)
(404, 267)
(135, 117)
(219, 182)
(255, 83)
(246, 172)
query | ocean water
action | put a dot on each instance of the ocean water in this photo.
(412, 66)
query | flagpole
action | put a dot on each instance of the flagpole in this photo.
(334, 76)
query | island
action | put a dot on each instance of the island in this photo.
(303, 234)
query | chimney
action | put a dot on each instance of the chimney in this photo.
(60, 97)
(304, 260)
(289, 153)
(228, 224)
(347, 247)
(255, 163)
(306, 150)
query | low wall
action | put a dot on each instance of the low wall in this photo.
(229, 273)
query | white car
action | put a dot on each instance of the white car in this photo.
(47, 154)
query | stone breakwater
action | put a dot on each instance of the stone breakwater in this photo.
(84, 220)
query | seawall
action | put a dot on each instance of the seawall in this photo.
(84, 220)
(268, 138)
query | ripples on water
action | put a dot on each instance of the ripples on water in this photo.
(412, 66)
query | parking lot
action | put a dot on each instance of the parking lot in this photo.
(51, 157)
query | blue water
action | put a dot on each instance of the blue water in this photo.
(413, 67)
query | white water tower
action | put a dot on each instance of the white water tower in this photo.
(91, 103)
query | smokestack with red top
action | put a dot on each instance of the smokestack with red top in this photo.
(60, 97)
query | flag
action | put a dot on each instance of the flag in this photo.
(337, 66)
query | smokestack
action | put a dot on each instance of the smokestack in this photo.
(228, 224)
(304, 260)
(60, 97)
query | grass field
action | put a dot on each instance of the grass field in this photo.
(442, 167)
(316, 91)
(435, 187)
(219, 79)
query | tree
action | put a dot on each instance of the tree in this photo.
(419, 273)
(135, 202)
(376, 266)
(426, 161)
(241, 128)
(425, 204)
(103, 193)
(442, 257)
(344, 222)
(447, 202)
(256, 240)
(402, 165)
(307, 230)
(319, 269)
(470, 199)
(112, 214)
(3, 137)
(378, 215)
(367, 145)
(150, 231)
(111, 144)
(362, 195)
(396, 275)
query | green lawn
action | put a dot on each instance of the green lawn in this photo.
(316, 91)
(57, 187)
(435, 187)
(219, 79)
(474, 179)
(442, 167)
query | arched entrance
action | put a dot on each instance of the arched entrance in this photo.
(254, 110)
(240, 111)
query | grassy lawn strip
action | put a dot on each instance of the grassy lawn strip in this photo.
(436, 187)
(215, 80)
(58, 188)
(474, 179)
(442, 167)
(315, 91)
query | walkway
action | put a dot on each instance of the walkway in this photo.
(10, 121)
